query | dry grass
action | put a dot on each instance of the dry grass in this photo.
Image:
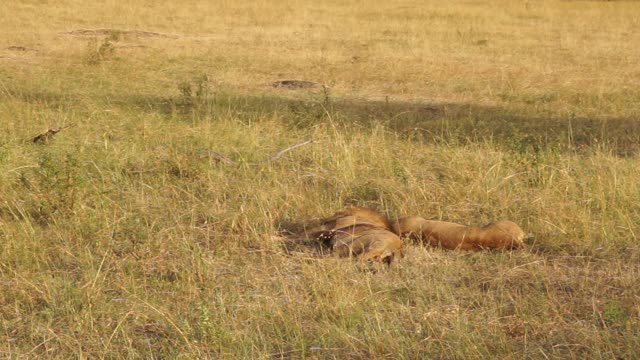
(121, 240)
(562, 57)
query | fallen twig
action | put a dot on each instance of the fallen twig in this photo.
(221, 158)
(283, 151)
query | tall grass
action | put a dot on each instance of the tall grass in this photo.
(121, 238)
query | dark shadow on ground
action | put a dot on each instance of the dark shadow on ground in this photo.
(429, 122)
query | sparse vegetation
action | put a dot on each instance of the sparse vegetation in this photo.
(121, 240)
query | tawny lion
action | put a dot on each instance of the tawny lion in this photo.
(500, 235)
(359, 232)
(353, 216)
(365, 241)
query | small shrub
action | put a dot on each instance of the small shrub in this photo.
(196, 95)
(99, 53)
(54, 185)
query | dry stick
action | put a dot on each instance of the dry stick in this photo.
(283, 151)
(278, 155)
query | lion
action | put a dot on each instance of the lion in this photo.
(358, 232)
(356, 215)
(347, 217)
(364, 241)
(499, 235)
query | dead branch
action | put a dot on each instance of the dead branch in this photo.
(284, 151)
(221, 158)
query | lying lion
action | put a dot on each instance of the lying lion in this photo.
(500, 235)
(365, 241)
(353, 216)
(359, 232)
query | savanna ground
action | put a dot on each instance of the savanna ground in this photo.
(122, 237)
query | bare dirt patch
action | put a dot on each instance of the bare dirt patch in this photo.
(20, 48)
(295, 84)
(116, 33)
